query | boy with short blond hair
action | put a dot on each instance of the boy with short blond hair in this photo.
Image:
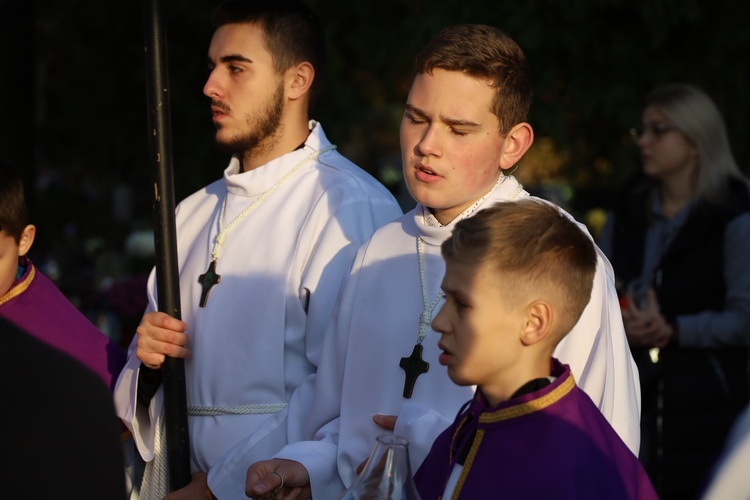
(518, 276)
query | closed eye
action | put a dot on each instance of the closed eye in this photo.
(457, 302)
(413, 119)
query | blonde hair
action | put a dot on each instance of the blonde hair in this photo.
(695, 114)
(536, 247)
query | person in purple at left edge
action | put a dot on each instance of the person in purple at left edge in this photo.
(518, 276)
(33, 302)
(60, 430)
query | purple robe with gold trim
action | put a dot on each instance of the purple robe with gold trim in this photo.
(550, 443)
(38, 307)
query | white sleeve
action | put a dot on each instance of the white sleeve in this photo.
(729, 478)
(337, 236)
(599, 356)
(421, 426)
(319, 453)
(140, 421)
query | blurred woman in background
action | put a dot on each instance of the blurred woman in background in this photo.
(679, 241)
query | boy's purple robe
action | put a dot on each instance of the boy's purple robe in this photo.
(550, 443)
(38, 307)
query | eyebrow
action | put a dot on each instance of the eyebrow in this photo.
(448, 291)
(453, 122)
(232, 58)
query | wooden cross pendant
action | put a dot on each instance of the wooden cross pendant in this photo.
(207, 281)
(414, 366)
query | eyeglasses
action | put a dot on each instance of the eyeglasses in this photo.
(656, 130)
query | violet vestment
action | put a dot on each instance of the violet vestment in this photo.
(38, 307)
(549, 443)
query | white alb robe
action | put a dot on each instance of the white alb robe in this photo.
(730, 479)
(261, 332)
(378, 324)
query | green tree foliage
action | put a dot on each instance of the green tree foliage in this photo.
(592, 62)
(74, 114)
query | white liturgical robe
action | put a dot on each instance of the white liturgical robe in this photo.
(261, 332)
(730, 479)
(378, 324)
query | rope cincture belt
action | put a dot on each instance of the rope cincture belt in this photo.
(212, 411)
(155, 479)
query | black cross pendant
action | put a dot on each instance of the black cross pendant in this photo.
(207, 281)
(414, 366)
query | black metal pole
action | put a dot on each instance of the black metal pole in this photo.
(165, 239)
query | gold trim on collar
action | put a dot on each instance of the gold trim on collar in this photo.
(468, 464)
(530, 407)
(499, 416)
(19, 288)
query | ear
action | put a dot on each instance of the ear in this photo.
(515, 144)
(27, 239)
(537, 323)
(299, 79)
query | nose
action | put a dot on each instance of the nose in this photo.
(428, 145)
(440, 323)
(212, 88)
(643, 139)
(640, 136)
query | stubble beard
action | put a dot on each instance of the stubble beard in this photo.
(263, 128)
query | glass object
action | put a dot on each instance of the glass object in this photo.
(387, 474)
(638, 288)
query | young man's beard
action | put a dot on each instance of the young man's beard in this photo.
(263, 127)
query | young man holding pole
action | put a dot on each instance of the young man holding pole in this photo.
(262, 253)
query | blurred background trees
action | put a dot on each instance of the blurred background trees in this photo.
(74, 109)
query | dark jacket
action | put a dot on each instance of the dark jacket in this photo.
(691, 396)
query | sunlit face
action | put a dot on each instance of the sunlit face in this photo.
(480, 331)
(450, 142)
(8, 261)
(665, 151)
(246, 91)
